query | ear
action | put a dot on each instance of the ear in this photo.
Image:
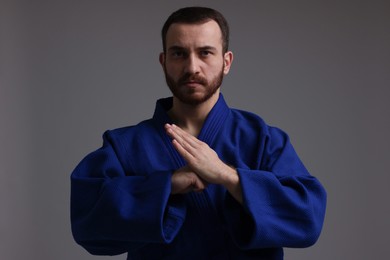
(227, 59)
(162, 59)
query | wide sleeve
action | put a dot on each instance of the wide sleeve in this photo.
(114, 211)
(283, 205)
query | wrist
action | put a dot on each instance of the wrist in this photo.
(231, 182)
(230, 179)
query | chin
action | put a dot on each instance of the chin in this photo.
(195, 98)
(192, 101)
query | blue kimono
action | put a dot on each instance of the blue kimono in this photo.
(121, 201)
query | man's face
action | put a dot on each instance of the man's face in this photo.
(193, 63)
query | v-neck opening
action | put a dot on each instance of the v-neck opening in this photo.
(211, 126)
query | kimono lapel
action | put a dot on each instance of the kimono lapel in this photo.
(214, 121)
(160, 118)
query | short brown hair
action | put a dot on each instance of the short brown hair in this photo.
(196, 15)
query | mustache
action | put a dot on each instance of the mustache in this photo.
(192, 78)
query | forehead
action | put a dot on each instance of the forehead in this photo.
(194, 35)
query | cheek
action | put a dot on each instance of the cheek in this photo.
(215, 68)
(172, 69)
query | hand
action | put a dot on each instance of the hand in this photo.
(201, 159)
(184, 180)
(204, 165)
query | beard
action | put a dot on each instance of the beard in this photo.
(192, 96)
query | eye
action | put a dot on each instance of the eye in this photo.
(205, 53)
(178, 54)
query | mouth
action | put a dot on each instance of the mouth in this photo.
(192, 84)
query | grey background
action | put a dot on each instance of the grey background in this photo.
(69, 70)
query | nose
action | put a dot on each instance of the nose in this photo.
(192, 65)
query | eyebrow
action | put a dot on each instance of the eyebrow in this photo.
(176, 48)
(207, 48)
(203, 48)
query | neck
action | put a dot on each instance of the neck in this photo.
(191, 117)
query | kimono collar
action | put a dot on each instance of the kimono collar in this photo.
(211, 126)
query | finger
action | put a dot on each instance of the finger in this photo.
(183, 133)
(184, 180)
(182, 150)
(174, 132)
(178, 142)
(199, 184)
(187, 141)
(178, 138)
(185, 136)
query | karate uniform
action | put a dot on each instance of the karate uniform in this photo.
(121, 201)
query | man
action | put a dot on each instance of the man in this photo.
(198, 180)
